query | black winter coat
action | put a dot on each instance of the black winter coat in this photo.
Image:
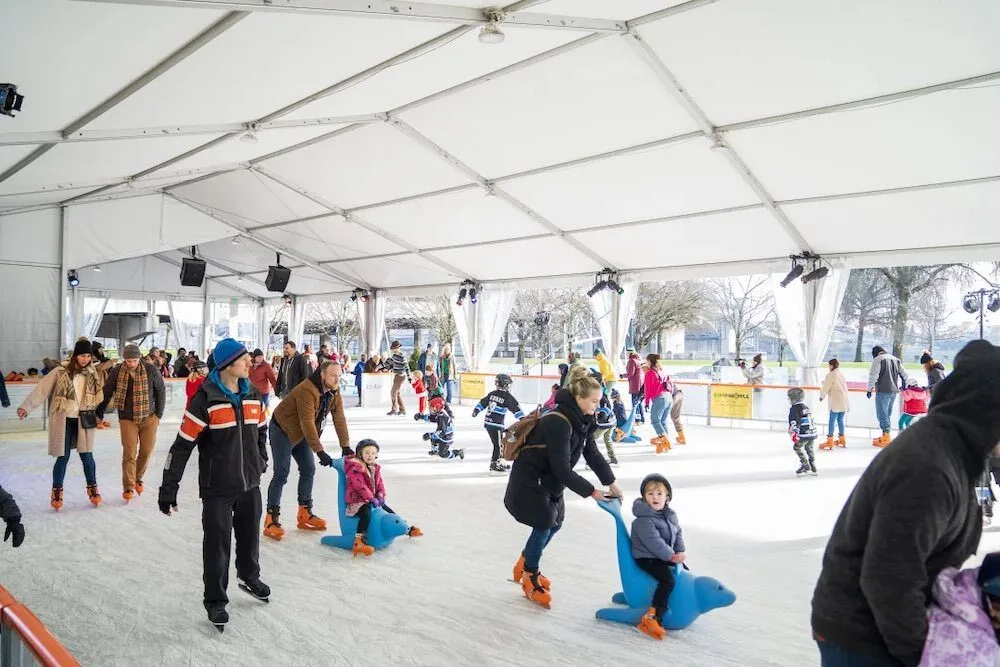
(8, 508)
(231, 443)
(292, 372)
(544, 468)
(912, 514)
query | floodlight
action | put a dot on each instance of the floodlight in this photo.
(597, 288)
(615, 287)
(461, 296)
(72, 278)
(815, 274)
(994, 304)
(796, 271)
(971, 303)
(10, 101)
(473, 295)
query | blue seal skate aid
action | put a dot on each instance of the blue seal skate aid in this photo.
(624, 433)
(382, 530)
(692, 596)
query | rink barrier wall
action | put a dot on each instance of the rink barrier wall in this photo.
(24, 640)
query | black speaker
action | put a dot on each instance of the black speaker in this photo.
(192, 272)
(277, 278)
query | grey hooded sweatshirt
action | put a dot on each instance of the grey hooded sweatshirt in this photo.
(912, 514)
(655, 534)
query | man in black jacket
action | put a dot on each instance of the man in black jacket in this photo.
(912, 514)
(294, 369)
(136, 389)
(227, 421)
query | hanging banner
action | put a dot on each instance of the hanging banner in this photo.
(471, 385)
(732, 402)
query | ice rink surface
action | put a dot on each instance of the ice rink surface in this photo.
(121, 584)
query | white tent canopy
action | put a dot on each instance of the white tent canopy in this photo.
(380, 145)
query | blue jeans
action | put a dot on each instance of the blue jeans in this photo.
(637, 406)
(832, 655)
(659, 410)
(537, 541)
(87, 458)
(282, 451)
(266, 400)
(883, 409)
(838, 419)
(447, 390)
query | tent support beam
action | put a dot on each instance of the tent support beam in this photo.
(491, 188)
(200, 40)
(673, 86)
(352, 218)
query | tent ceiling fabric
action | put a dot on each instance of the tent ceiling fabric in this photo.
(671, 138)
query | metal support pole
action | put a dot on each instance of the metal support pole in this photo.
(206, 322)
(63, 284)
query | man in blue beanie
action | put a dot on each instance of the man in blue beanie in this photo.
(226, 419)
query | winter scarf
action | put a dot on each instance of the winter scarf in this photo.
(140, 390)
(64, 394)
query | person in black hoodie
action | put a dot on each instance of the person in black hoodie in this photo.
(543, 468)
(912, 514)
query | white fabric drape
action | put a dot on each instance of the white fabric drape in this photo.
(613, 312)
(185, 319)
(480, 325)
(371, 321)
(297, 323)
(807, 315)
(91, 316)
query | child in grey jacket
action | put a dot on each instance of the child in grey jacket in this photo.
(657, 546)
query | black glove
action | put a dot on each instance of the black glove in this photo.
(868, 394)
(427, 436)
(475, 412)
(167, 505)
(324, 459)
(345, 452)
(14, 528)
(417, 417)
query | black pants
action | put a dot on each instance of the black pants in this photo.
(495, 434)
(220, 516)
(663, 572)
(365, 516)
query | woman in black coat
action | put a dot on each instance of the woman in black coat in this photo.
(543, 469)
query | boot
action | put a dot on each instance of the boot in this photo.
(139, 488)
(95, 496)
(360, 547)
(681, 440)
(56, 499)
(656, 442)
(533, 590)
(882, 440)
(272, 528)
(828, 444)
(414, 532)
(519, 572)
(841, 441)
(128, 495)
(307, 520)
(663, 445)
(650, 625)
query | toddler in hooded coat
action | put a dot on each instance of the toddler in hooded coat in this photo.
(914, 403)
(963, 617)
(365, 491)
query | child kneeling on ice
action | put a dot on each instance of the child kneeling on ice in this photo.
(802, 430)
(914, 403)
(657, 545)
(442, 439)
(365, 490)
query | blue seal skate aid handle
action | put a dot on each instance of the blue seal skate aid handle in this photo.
(692, 596)
(382, 530)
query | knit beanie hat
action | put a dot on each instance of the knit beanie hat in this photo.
(656, 477)
(227, 351)
(367, 442)
(926, 358)
(82, 347)
(795, 394)
(257, 353)
(132, 352)
(877, 350)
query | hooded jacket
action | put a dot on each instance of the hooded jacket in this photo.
(543, 468)
(912, 514)
(655, 534)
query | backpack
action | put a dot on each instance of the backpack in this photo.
(515, 437)
(668, 384)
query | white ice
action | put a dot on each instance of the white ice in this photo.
(121, 585)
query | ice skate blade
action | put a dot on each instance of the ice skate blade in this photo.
(246, 589)
(220, 627)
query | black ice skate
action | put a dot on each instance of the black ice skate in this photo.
(812, 469)
(613, 461)
(458, 454)
(498, 467)
(218, 616)
(803, 470)
(256, 588)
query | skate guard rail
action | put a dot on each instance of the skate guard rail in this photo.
(711, 403)
(24, 640)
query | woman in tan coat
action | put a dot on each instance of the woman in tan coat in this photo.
(835, 386)
(74, 392)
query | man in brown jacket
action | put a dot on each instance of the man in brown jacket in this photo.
(295, 429)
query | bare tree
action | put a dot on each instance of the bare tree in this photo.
(743, 304)
(908, 281)
(569, 316)
(868, 303)
(665, 305)
(325, 317)
(432, 312)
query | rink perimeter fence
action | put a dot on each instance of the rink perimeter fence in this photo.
(25, 641)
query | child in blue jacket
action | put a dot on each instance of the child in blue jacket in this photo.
(657, 546)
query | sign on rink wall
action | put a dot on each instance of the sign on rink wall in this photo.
(732, 401)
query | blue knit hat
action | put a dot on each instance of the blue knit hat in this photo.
(227, 351)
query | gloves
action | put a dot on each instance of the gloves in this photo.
(417, 417)
(167, 505)
(869, 394)
(377, 502)
(427, 436)
(475, 412)
(324, 459)
(14, 528)
(795, 438)
(345, 452)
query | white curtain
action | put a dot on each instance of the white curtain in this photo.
(185, 319)
(808, 314)
(480, 325)
(371, 320)
(613, 312)
(91, 316)
(297, 323)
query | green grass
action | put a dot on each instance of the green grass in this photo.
(698, 363)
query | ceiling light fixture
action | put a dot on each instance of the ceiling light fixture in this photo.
(72, 278)
(606, 279)
(470, 289)
(359, 293)
(491, 32)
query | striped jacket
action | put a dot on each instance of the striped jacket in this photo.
(399, 365)
(497, 404)
(231, 439)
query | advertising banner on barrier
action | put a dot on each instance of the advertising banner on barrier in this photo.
(472, 386)
(732, 402)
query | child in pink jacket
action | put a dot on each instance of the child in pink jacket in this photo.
(963, 617)
(366, 490)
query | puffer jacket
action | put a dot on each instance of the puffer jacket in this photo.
(655, 534)
(960, 632)
(361, 488)
(935, 375)
(543, 468)
(231, 435)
